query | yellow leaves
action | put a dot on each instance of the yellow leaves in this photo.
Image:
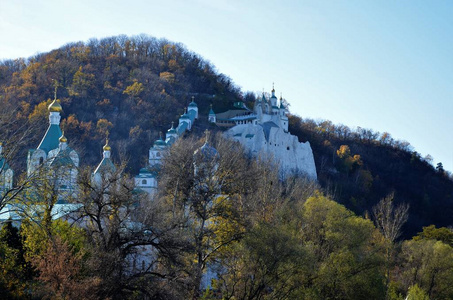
(173, 65)
(40, 112)
(344, 151)
(104, 103)
(135, 132)
(81, 52)
(30, 74)
(167, 76)
(81, 83)
(348, 163)
(134, 89)
(103, 126)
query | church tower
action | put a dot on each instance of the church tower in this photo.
(106, 166)
(171, 135)
(211, 116)
(155, 153)
(50, 141)
(61, 167)
(193, 108)
(283, 111)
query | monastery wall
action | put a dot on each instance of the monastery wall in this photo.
(270, 140)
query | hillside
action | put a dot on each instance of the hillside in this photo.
(135, 87)
(375, 166)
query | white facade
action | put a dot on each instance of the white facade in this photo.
(268, 136)
(62, 164)
(106, 168)
(146, 180)
(193, 107)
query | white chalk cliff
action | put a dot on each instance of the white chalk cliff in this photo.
(264, 132)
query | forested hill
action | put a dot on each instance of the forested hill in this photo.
(134, 87)
(359, 167)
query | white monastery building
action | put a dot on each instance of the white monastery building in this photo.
(264, 132)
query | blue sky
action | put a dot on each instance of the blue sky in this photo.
(384, 65)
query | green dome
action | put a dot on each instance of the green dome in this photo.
(144, 171)
(160, 142)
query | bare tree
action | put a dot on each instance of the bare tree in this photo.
(390, 219)
(128, 241)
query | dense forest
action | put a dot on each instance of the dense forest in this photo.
(374, 226)
(359, 167)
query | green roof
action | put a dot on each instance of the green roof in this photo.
(144, 170)
(192, 104)
(239, 104)
(3, 162)
(50, 140)
(211, 112)
(182, 127)
(106, 166)
(62, 158)
(146, 173)
(160, 142)
(192, 114)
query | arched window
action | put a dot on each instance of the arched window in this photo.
(41, 160)
(158, 154)
(144, 181)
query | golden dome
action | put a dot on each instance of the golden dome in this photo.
(106, 146)
(63, 139)
(55, 106)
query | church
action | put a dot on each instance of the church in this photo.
(263, 131)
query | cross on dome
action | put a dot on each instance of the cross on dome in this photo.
(106, 146)
(207, 135)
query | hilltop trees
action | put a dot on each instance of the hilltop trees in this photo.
(360, 166)
(129, 81)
